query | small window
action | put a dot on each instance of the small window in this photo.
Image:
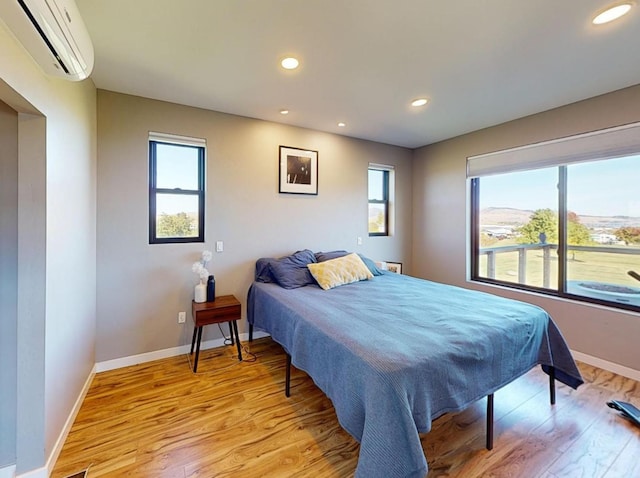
(378, 202)
(176, 189)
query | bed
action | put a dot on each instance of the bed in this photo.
(395, 352)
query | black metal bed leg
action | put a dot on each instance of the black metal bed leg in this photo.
(250, 332)
(235, 329)
(490, 422)
(287, 380)
(552, 385)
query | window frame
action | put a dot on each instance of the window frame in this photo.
(154, 191)
(562, 250)
(385, 199)
(475, 250)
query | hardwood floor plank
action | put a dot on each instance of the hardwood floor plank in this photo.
(546, 474)
(102, 462)
(232, 419)
(565, 425)
(517, 460)
(593, 453)
(510, 432)
(628, 461)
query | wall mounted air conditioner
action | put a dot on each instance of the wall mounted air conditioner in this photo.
(53, 33)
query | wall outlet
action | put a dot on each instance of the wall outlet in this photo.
(182, 317)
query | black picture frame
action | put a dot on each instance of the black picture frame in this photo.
(297, 171)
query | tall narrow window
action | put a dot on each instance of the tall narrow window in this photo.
(518, 228)
(561, 217)
(176, 189)
(378, 202)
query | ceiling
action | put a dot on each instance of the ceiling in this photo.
(480, 62)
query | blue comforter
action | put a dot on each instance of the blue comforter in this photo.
(395, 352)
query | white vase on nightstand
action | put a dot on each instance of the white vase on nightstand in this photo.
(200, 292)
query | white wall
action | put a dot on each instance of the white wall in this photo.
(8, 281)
(56, 239)
(142, 287)
(440, 218)
(71, 250)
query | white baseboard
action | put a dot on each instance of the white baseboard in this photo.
(165, 353)
(606, 365)
(45, 471)
(57, 448)
(8, 471)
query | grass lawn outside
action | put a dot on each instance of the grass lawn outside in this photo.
(603, 267)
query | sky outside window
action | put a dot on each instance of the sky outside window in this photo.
(376, 184)
(596, 188)
(527, 190)
(177, 167)
(605, 188)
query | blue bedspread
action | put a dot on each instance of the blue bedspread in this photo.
(395, 352)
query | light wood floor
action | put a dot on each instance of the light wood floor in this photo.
(232, 420)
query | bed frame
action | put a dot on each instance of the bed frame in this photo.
(489, 432)
(466, 346)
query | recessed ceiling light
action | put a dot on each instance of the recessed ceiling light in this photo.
(342, 125)
(284, 112)
(612, 13)
(290, 63)
(419, 102)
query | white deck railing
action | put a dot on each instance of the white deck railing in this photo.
(492, 252)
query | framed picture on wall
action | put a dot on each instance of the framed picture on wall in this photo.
(395, 267)
(298, 171)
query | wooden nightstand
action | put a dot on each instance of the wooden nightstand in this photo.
(225, 308)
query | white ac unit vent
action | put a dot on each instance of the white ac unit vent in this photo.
(53, 33)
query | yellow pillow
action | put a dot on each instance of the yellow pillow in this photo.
(340, 271)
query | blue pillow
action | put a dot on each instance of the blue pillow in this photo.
(263, 269)
(291, 271)
(371, 265)
(325, 256)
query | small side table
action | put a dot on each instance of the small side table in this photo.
(225, 308)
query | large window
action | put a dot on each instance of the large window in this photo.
(568, 226)
(378, 201)
(517, 244)
(176, 189)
